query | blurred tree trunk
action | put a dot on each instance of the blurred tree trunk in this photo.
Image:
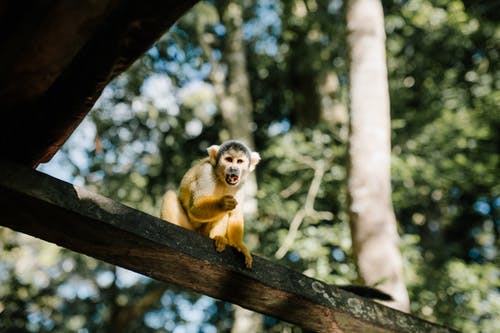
(301, 74)
(123, 317)
(373, 223)
(234, 100)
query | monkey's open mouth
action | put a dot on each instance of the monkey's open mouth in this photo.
(232, 179)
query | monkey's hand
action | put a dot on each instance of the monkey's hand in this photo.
(228, 202)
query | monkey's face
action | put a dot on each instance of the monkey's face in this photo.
(233, 167)
(232, 162)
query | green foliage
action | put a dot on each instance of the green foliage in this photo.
(445, 123)
(321, 247)
(444, 99)
(162, 114)
(468, 291)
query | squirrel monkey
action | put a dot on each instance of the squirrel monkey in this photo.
(208, 196)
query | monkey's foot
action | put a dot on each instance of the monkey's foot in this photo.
(248, 260)
(220, 243)
(246, 253)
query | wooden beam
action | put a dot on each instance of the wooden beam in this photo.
(40, 40)
(56, 58)
(85, 222)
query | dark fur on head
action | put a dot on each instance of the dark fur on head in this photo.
(233, 144)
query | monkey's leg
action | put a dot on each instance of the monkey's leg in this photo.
(172, 211)
(235, 235)
(218, 233)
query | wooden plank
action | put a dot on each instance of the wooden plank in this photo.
(85, 222)
(42, 41)
(57, 56)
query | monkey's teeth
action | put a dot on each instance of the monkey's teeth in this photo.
(232, 179)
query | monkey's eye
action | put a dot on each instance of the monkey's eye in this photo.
(229, 159)
(240, 161)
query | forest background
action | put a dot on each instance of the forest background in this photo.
(291, 59)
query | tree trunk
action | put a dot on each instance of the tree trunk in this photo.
(235, 103)
(373, 223)
(236, 106)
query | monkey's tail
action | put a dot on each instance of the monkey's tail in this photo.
(368, 292)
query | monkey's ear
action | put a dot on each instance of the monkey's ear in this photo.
(254, 160)
(212, 154)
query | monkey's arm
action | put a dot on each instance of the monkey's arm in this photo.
(210, 208)
(197, 194)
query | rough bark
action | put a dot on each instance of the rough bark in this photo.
(373, 223)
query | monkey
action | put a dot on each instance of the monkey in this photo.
(209, 200)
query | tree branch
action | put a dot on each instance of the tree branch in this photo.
(307, 210)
